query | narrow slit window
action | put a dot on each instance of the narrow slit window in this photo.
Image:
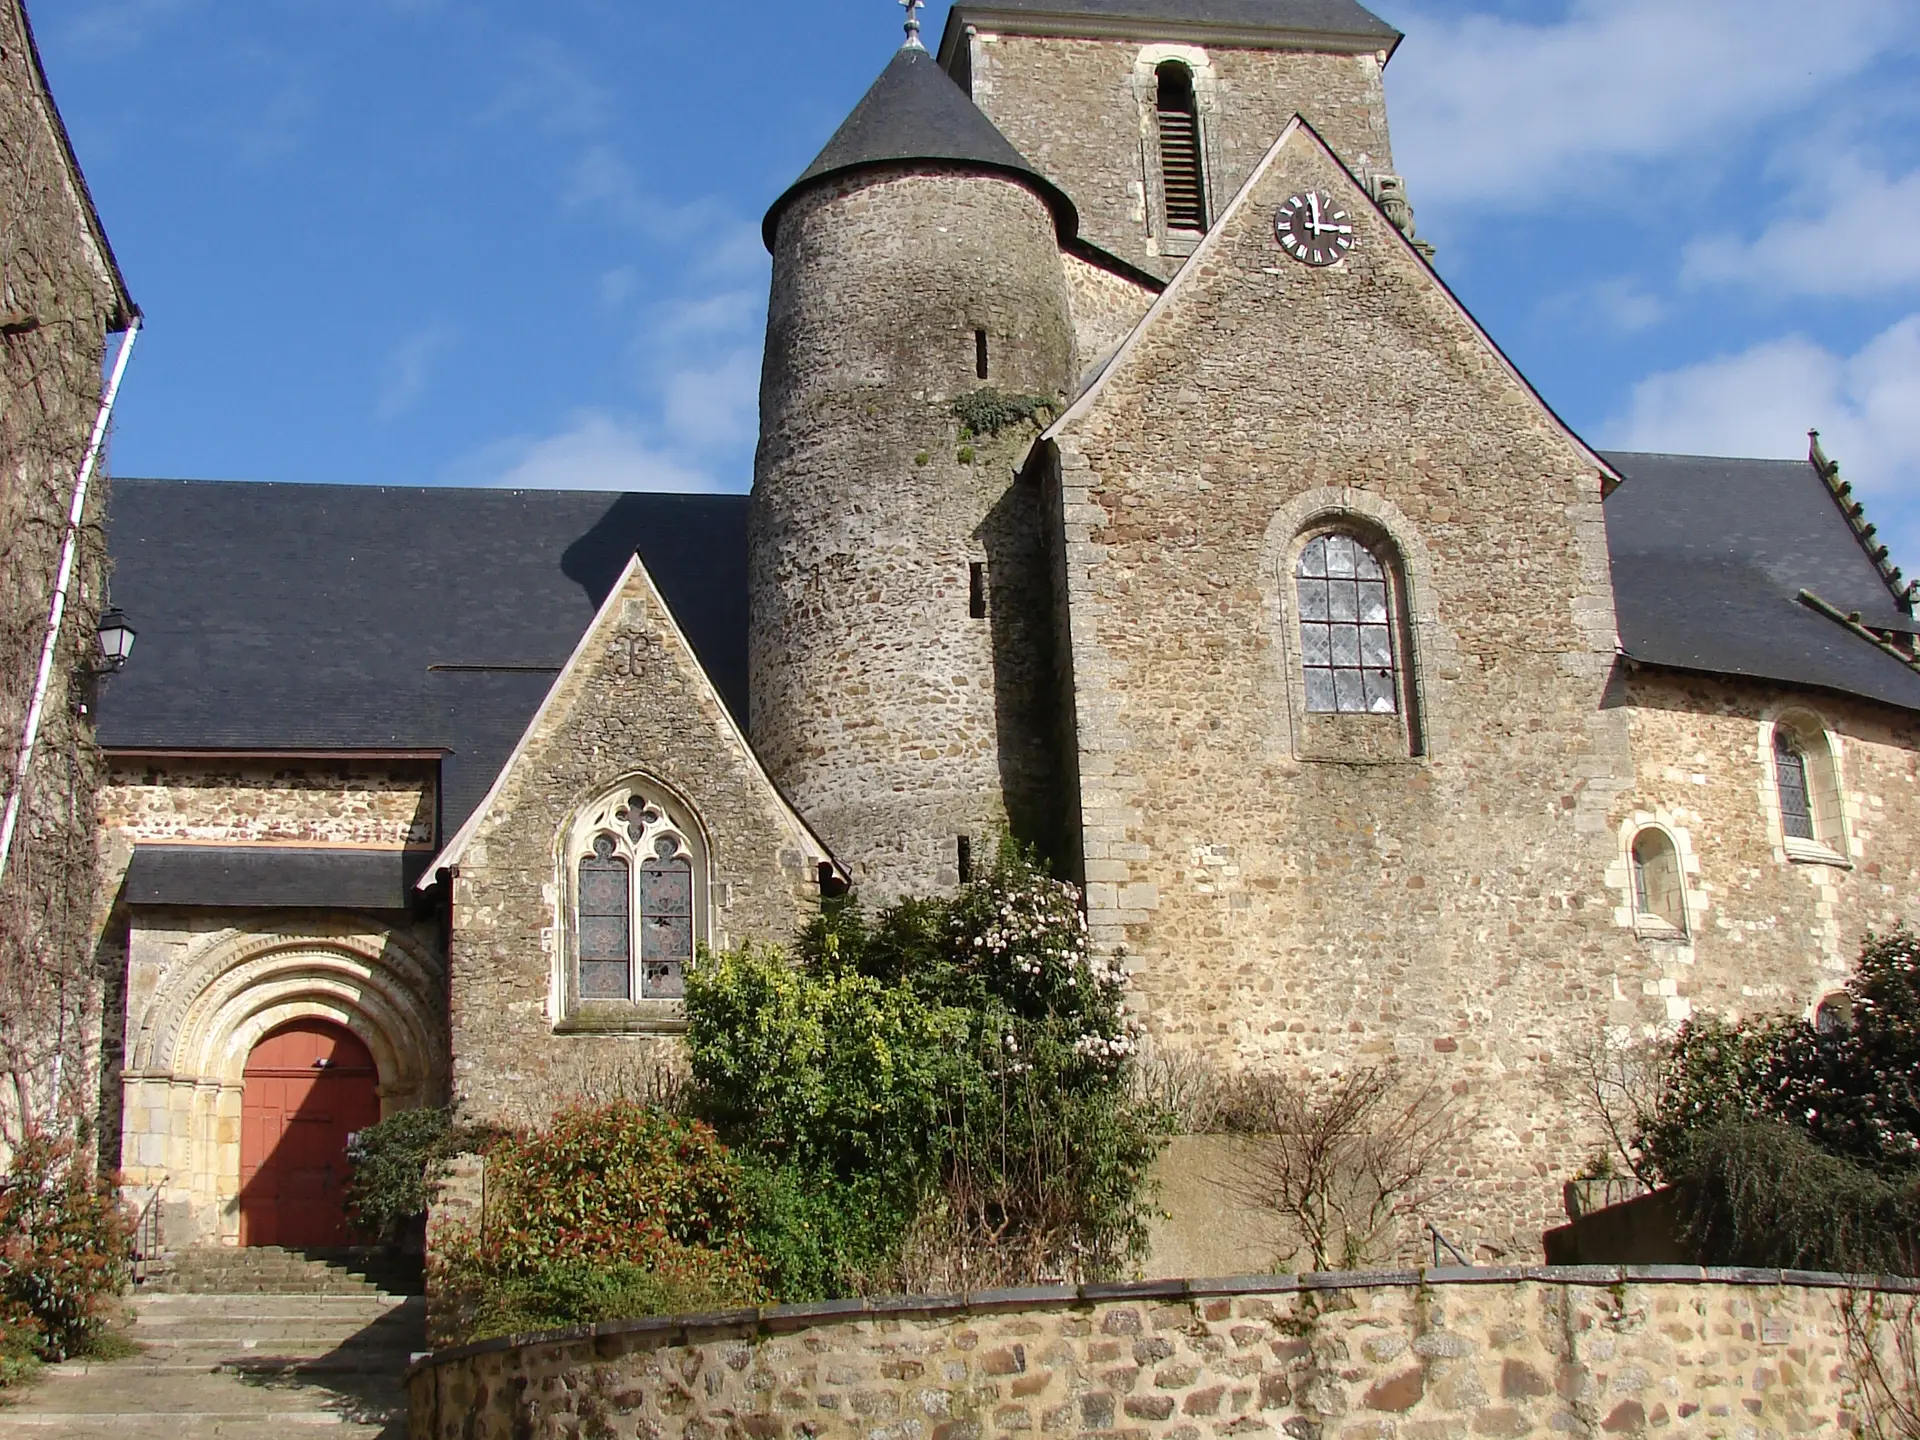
(1790, 772)
(964, 857)
(1181, 174)
(1347, 649)
(980, 353)
(977, 591)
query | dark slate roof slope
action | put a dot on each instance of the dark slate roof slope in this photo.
(339, 617)
(915, 112)
(1709, 559)
(1335, 24)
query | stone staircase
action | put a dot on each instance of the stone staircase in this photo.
(240, 1345)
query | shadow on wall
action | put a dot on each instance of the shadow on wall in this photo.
(1019, 604)
(695, 547)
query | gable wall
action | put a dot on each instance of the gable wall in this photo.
(1278, 908)
(1074, 109)
(634, 703)
(1769, 933)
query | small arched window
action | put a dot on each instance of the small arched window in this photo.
(637, 900)
(1659, 894)
(1834, 1015)
(1348, 649)
(1181, 173)
(1807, 783)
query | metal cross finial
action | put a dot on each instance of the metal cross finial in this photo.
(914, 7)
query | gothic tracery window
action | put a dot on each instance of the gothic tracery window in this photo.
(636, 901)
(1347, 649)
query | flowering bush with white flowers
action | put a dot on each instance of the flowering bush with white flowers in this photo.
(1796, 1142)
(938, 1094)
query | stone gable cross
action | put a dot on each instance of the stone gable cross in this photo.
(914, 7)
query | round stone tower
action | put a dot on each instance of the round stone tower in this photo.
(902, 648)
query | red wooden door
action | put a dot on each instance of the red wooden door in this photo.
(309, 1085)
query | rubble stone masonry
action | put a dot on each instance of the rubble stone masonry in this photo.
(1444, 1356)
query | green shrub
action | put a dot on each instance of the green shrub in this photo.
(1795, 1146)
(987, 411)
(20, 1339)
(65, 1244)
(648, 1203)
(395, 1165)
(1757, 1192)
(950, 1073)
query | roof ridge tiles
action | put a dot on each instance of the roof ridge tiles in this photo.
(1855, 513)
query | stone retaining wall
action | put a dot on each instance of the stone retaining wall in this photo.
(1597, 1351)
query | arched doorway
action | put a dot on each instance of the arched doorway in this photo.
(308, 1086)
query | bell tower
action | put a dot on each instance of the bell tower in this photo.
(1151, 114)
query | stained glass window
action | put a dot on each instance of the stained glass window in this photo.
(1790, 770)
(606, 951)
(1346, 629)
(666, 921)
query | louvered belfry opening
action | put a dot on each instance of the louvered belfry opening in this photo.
(1180, 149)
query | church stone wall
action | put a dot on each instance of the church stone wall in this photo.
(893, 718)
(635, 705)
(359, 804)
(1286, 902)
(1769, 932)
(1106, 308)
(1081, 111)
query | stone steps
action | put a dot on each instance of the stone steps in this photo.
(325, 1358)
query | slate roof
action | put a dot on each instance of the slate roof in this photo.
(915, 112)
(1335, 24)
(309, 617)
(258, 877)
(1710, 556)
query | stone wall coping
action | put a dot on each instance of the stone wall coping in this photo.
(776, 1319)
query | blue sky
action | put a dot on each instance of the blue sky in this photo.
(474, 242)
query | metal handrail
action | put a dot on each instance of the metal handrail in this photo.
(146, 1235)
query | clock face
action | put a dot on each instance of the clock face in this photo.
(1314, 228)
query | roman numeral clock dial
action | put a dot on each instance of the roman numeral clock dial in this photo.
(1313, 228)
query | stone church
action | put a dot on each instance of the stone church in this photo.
(1128, 478)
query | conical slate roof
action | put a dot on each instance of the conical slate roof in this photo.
(916, 112)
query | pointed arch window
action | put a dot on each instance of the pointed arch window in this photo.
(1349, 653)
(1182, 174)
(638, 899)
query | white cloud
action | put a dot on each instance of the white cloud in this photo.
(1626, 306)
(406, 370)
(1764, 400)
(540, 81)
(1495, 110)
(1851, 232)
(717, 405)
(117, 27)
(596, 451)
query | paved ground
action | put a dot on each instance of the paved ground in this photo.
(248, 1366)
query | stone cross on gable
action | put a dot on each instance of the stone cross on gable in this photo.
(914, 7)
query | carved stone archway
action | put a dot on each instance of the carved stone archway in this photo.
(208, 1008)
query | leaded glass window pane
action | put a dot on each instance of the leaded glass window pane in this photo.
(606, 948)
(666, 923)
(1346, 628)
(1790, 766)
